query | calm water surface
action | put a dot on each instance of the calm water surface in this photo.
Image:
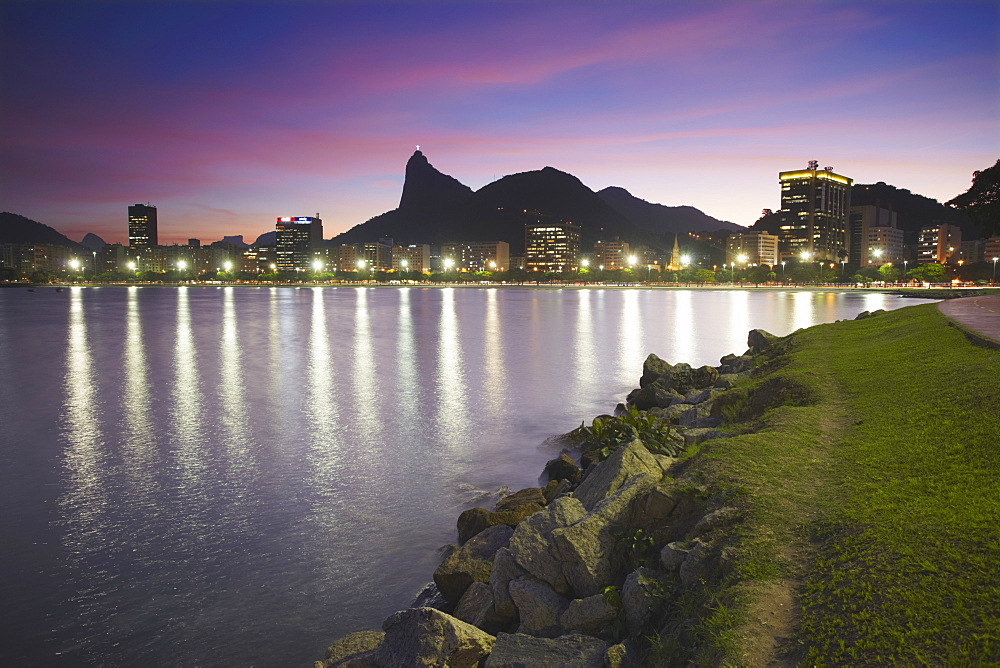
(237, 476)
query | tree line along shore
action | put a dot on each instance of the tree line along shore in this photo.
(827, 498)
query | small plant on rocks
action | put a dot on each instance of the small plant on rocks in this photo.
(610, 433)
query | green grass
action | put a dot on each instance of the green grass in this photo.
(879, 494)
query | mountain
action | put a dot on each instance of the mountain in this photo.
(16, 229)
(92, 242)
(427, 192)
(663, 221)
(912, 211)
(506, 205)
(437, 208)
(234, 240)
(266, 239)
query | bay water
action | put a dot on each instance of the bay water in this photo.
(204, 476)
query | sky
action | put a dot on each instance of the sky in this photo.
(228, 114)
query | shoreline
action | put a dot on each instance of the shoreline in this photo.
(759, 541)
(932, 292)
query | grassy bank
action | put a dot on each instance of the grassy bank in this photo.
(873, 498)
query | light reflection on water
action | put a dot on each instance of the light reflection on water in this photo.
(240, 476)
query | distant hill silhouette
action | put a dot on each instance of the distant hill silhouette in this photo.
(266, 239)
(660, 219)
(16, 229)
(437, 208)
(912, 211)
(93, 242)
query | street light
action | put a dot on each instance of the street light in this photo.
(74, 264)
(227, 265)
(135, 269)
(317, 265)
(877, 253)
(995, 270)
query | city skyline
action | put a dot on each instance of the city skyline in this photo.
(271, 110)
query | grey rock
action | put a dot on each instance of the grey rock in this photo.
(521, 498)
(758, 340)
(655, 395)
(735, 364)
(522, 651)
(470, 563)
(430, 597)
(642, 596)
(714, 520)
(590, 615)
(505, 569)
(624, 463)
(476, 607)
(666, 461)
(429, 637)
(563, 468)
(532, 547)
(673, 555)
(659, 503)
(691, 416)
(696, 565)
(476, 520)
(652, 369)
(538, 607)
(350, 646)
(701, 396)
(585, 549)
(560, 488)
(696, 435)
(673, 413)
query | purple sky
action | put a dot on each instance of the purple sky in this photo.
(227, 114)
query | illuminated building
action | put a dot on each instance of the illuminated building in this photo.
(478, 255)
(142, 226)
(873, 228)
(296, 239)
(815, 203)
(938, 242)
(417, 257)
(756, 247)
(611, 254)
(551, 247)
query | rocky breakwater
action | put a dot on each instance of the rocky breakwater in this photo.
(589, 570)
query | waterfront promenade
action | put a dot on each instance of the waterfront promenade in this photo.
(981, 315)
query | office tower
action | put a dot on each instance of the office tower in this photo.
(938, 242)
(142, 226)
(551, 247)
(296, 239)
(874, 237)
(611, 254)
(815, 203)
(757, 247)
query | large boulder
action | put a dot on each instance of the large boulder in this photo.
(350, 647)
(608, 476)
(716, 519)
(652, 369)
(520, 651)
(475, 520)
(654, 395)
(476, 607)
(531, 544)
(470, 563)
(758, 340)
(505, 570)
(586, 549)
(563, 468)
(697, 565)
(592, 615)
(527, 496)
(539, 607)
(643, 594)
(429, 637)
